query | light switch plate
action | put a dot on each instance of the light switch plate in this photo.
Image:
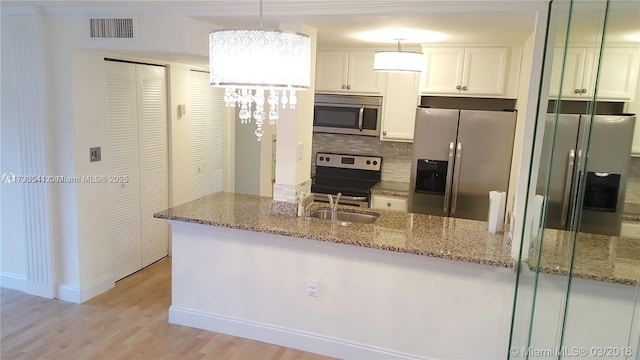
(94, 154)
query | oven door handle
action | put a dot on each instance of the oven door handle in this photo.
(360, 118)
(344, 197)
(354, 198)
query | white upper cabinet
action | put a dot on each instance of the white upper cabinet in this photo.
(578, 70)
(347, 72)
(485, 71)
(468, 71)
(443, 73)
(618, 73)
(399, 107)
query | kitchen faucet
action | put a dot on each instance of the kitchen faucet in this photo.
(333, 205)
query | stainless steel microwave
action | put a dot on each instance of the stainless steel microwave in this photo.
(347, 114)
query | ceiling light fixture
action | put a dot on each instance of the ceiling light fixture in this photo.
(248, 62)
(398, 61)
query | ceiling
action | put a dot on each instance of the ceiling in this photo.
(339, 22)
(454, 27)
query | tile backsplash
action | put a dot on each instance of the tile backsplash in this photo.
(633, 182)
(396, 156)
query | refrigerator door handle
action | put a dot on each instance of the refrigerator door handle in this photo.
(456, 179)
(447, 191)
(567, 187)
(577, 188)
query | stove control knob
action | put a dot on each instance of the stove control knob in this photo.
(321, 158)
(375, 162)
(328, 158)
(368, 162)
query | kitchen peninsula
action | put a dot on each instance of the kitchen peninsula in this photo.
(249, 275)
(406, 286)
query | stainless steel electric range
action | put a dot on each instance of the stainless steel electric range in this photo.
(352, 175)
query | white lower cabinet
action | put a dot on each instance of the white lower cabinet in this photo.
(630, 229)
(385, 202)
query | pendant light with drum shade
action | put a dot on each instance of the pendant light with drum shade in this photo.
(247, 63)
(398, 61)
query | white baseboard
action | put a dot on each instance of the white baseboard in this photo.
(76, 295)
(68, 293)
(291, 338)
(97, 287)
(13, 281)
(63, 292)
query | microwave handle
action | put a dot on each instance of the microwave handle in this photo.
(360, 118)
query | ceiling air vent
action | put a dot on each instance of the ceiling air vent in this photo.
(111, 28)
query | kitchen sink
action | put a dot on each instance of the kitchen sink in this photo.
(345, 216)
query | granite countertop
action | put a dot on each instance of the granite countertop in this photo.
(597, 257)
(434, 236)
(391, 188)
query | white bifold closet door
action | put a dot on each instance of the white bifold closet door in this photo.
(207, 136)
(137, 134)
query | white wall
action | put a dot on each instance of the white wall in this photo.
(295, 130)
(79, 224)
(247, 159)
(94, 231)
(93, 200)
(633, 107)
(537, 83)
(266, 160)
(12, 227)
(371, 303)
(521, 106)
(180, 134)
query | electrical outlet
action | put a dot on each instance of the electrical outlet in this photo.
(94, 154)
(312, 287)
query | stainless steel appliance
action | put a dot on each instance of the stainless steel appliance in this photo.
(347, 114)
(459, 156)
(602, 173)
(352, 175)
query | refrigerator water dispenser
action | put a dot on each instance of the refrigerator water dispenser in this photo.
(431, 176)
(601, 191)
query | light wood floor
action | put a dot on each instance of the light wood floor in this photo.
(127, 322)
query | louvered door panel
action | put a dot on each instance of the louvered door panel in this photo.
(154, 169)
(218, 122)
(207, 136)
(218, 180)
(121, 155)
(200, 177)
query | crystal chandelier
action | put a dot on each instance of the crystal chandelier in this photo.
(398, 61)
(247, 63)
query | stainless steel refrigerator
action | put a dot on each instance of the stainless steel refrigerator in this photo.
(459, 156)
(594, 162)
